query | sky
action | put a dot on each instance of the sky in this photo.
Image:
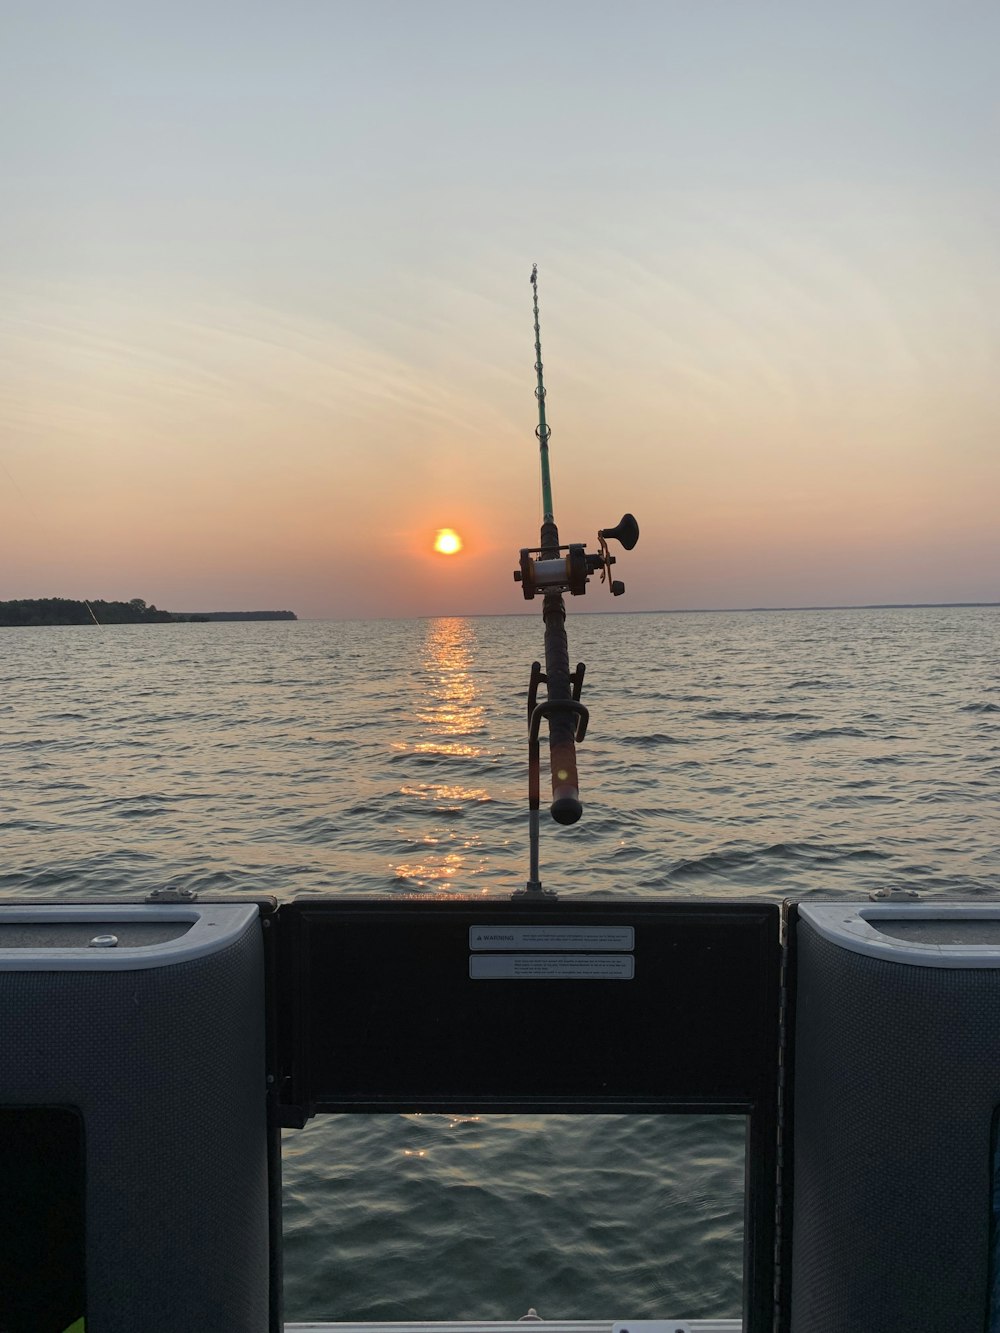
(265, 314)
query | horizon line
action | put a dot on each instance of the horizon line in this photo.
(674, 611)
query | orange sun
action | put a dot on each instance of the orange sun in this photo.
(447, 542)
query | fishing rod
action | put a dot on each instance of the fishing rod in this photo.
(550, 570)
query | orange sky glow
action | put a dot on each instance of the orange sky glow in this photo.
(242, 368)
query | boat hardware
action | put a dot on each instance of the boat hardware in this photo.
(172, 895)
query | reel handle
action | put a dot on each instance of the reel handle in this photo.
(627, 532)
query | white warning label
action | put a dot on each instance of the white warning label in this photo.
(548, 967)
(548, 939)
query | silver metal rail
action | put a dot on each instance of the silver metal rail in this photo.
(528, 1323)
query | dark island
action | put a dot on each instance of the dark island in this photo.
(66, 611)
(236, 615)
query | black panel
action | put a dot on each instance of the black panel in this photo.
(42, 1250)
(385, 1014)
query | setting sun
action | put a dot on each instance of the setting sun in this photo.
(447, 541)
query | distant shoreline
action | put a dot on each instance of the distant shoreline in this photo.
(580, 610)
(234, 615)
(837, 606)
(32, 612)
(64, 612)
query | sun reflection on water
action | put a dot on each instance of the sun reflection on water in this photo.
(457, 748)
(452, 726)
(452, 703)
(444, 792)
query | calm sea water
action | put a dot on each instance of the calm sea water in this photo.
(769, 754)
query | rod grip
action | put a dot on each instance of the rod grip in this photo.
(566, 806)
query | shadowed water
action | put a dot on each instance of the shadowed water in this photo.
(768, 754)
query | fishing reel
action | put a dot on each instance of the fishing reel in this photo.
(541, 572)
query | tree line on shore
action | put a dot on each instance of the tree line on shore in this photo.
(68, 611)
